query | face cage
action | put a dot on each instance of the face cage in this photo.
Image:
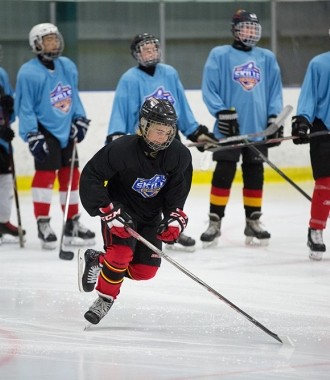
(144, 128)
(49, 55)
(150, 62)
(249, 33)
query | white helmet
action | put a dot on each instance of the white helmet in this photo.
(36, 40)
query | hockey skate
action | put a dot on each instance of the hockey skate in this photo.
(315, 244)
(9, 233)
(212, 234)
(99, 309)
(185, 243)
(88, 269)
(76, 234)
(255, 234)
(45, 233)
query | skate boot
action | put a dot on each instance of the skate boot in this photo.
(211, 235)
(99, 309)
(10, 233)
(76, 234)
(315, 244)
(46, 233)
(88, 269)
(255, 234)
(185, 243)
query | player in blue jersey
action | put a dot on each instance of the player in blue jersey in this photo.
(153, 78)
(51, 120)
(313, 114)
(8, 232)
(242, 89)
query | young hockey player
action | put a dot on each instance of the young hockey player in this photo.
(313, 113)
(51, 120)
(141, 181)
(153, 78)
(8, 232)
(242, 89)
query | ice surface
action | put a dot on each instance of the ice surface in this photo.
(171, 327)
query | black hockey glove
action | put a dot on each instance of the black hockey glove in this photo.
(113, 137)
(117, 219)
(171, 226)
(79, 128)
(38, 146)
(202, 134)
(228, 123)
(299, 128)
(277, 135)
(7, 104)
(6, 133)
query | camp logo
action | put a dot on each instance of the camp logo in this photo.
(149, 188)
(161, 93)
(248, 75)
(61, 98)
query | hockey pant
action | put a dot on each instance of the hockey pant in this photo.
(126, 258)
(42, 190)
(223, 176)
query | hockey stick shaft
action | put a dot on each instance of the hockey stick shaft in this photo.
(162, 254)
(278, 171)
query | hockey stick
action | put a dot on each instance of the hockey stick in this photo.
(278, 171)
(137, 236)
(67, 255)
(270, 130)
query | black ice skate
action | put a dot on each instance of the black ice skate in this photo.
(99, 309)
(45, 233)
(255, 234)
(211, 235)
(88, 269)
(76, 234)
(9, 233)
(315, 244)
(184, 243)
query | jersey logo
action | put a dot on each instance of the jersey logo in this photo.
(161, 93)
(61, 98)
(149, 188)
(248, 75)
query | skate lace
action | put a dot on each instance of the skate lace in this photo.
(316, 236)
(93, 274)
(256, 225)
(78, 227)
(101, 307)
(46, 229)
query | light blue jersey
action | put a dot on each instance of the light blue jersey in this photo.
(249, 81)
(49, 97)
(314, 98)
(135, 86)
(6, 89)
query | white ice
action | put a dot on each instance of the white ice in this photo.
(172, 327)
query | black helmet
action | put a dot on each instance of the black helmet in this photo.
(144, 39)
(246, 28)
(159, 111)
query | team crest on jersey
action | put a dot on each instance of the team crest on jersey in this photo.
(161, 93)
(248, 75)
(61, 98)
(149, 188)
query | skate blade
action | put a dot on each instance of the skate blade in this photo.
(77, 242)
(180, 247)
(254, 242)
(10, 239)
(48, 245)
(315, 256)
(81, 268)
(209, 244)
(88, 326)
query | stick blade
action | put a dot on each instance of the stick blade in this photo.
(66, 255)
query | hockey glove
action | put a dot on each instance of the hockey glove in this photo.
(228, 123)
(299, 128)
(7, 104)
(38, 145)
(202, 134)
(113, 137)
(117, 218)
(277, 135)
(79, 129)
(6, 133)
(171, 226)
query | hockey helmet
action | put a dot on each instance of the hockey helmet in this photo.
(141, 40)
(153, 112)
(36, 35)
(246, 28)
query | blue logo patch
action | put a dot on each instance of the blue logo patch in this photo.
(61, 98)
(248, 75)
(161, 93)
(149, 188)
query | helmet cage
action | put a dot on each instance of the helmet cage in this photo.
(143, 40)
(36, 36)
(145, 126)
(249, 33)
